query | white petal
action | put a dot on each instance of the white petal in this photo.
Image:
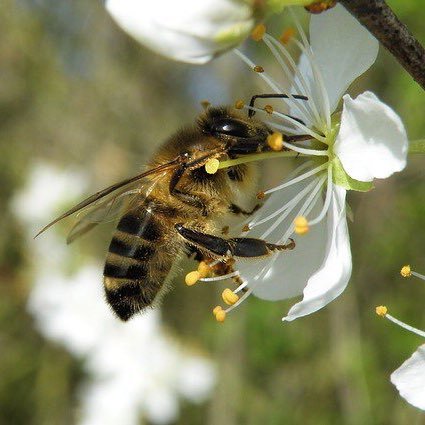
(409, 378)
(186, 30)
(372, 141)
(343, 49)
(333, 276)
(288, 275)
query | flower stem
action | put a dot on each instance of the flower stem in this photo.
(417, 146)
(258, 157)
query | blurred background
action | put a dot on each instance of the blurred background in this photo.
(82, 106)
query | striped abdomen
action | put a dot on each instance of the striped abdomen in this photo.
(137, 263)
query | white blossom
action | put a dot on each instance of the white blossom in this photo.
(346, 151)
(409, 378)
(191, 30)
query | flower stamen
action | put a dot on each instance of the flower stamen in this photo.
(258, 32)
(383, 312)
(229, 297)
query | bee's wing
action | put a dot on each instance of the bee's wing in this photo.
(102, 204)
(105, 210)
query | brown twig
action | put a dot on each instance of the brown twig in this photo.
(381, 21)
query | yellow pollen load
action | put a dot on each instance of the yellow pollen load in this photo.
(239, 104)
(381, 310)
(229, 297)
(219, 313)
(212, 165)
(275, 141)
(287, 35)
(258, 32)
(301, 225)
(258, 68)
(203, 269)
(192, 277)
(406, 271)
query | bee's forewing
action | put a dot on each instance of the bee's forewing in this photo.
(103, 204)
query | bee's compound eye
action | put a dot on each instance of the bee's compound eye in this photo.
(230, 127)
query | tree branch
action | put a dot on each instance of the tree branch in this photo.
(381, 21)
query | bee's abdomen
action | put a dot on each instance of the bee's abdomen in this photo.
(137, 264)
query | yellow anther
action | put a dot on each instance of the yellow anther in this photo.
(406, 271)
(192, 277)
(205, 104)
(203, 269)
(320, 6)
(301, 225)
(229, 297)
(211, 165)
(269, 109)
(220, 315)
(261, 195)
(275, 141)
(381, 310)
(239, 104)
(287, 35)
(258, 32)
(246, 228)
(258, 68)
(217, 309)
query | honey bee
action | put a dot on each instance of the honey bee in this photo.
(175, 207)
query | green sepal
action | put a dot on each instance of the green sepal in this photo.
(341, 178)
(234, 34)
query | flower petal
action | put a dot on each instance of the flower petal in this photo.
(185, 30)
(333, 276)
(288, 274)
(372, 141)
(409, 378)
(343, 50)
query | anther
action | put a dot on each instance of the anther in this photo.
(229, 297)
(287, 35)
(381, 310)
(219, 313)
(406, 271)
(275, 141)
(192, 277)
(301, 225)
(246, 228)
(239, 104)
(212, 165)
(261, 195)
(205, 104)
(269, 109)
(258, 68)
(203, 269)
(258, 32)
(320, 6)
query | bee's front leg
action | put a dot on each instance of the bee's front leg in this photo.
(234, 247)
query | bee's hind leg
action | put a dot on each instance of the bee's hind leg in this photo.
(234, 247)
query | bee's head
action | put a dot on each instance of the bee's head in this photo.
(242, 134)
